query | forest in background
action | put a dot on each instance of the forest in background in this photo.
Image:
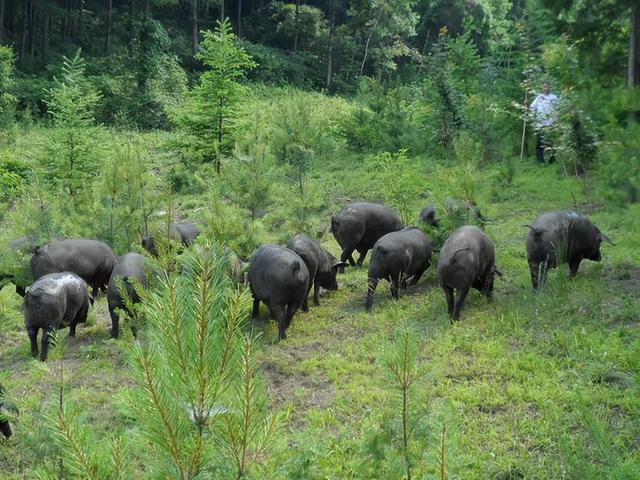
(260, 120)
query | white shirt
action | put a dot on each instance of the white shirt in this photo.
(544, 110)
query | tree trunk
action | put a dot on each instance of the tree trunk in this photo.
(633, 72)
(221, 11)
(1, 19)
(295, 36)
(109, 17)
(13, 17)
(25, 29)
(366, 50)
(239, 18)
(32, 30)
(67, 23)
(332, 32)
(80, 22)
(45, 39)
(61, 24)
(194, 25)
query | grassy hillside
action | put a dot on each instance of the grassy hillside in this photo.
(534, 385)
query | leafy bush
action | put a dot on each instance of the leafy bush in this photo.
(230, 226)
(7, 100)
(14, 173)
(399, 184)
(389, 119)
(618, 169)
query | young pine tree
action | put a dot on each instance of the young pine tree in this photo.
(250, 180)
(71, 104)
(401, 362)
(209, 114)
(197, 409)
(197, 393)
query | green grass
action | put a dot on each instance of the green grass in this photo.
(534, 385)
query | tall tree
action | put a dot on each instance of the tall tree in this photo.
(384, 27)
(209, 113)
(633, 64)
(195, 31)
(592, 22)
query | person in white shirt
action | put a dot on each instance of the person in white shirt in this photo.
(544, 117)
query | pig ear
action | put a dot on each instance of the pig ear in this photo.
(604, 238)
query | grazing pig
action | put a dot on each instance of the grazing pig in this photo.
(128, 266)
(54, 301)
(359, 226)
(467, 259)
(396, 257)
(428, 216)
(561, 237)
(278, 277)
(5, 426)
(91, 260)
(183, 232)
(322, 266)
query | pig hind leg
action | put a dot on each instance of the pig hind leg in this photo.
(255, 311)
(347, 256)
(290, 312)
(457, 306)
(44, 348)
(574, 264)
(363, 254)
(448, 293)
(416, 277)
(371, 288)
(80, 317)
(305, 302)
(544, 268)
(33, 337)
(487, 283)
(279, 312)
(395, 286)
(115, 322)
(534, 268)
(316, 291)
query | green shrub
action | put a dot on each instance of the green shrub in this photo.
(619, 169)
(7, 100)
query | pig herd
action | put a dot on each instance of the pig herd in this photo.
(69, 273)
(282, 276)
